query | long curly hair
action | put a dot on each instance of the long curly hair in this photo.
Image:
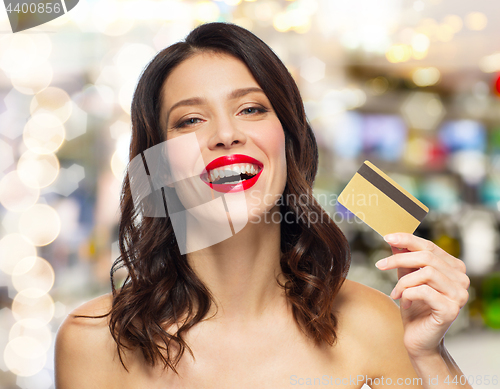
(161, 287)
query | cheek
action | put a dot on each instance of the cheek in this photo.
(184, 156)
(272, 141)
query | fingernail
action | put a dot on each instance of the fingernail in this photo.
(381, 263)
(391, 238)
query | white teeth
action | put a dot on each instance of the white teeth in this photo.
(232, 170)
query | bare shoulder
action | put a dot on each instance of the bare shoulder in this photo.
(374, 320)
(368, 314)
(76, 326)
(85, 351)
(361, 302)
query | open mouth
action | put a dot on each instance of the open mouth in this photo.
(231, 174)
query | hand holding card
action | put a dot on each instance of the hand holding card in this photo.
(432, 284)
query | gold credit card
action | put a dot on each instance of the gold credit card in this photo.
(381, 203)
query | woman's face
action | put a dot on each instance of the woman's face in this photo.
(223, 137)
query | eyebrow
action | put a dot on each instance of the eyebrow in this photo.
(200, 100)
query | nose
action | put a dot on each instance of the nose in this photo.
(226, 134)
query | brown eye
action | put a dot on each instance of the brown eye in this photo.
(260, 110)
(186, 123)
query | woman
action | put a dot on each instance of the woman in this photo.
(263, 302)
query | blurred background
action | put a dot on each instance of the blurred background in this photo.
(413, 86)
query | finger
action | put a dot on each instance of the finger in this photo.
(443, 310)
(417, 259)
(415, 243)
(436, 280)
(402, 271)
(396, 250)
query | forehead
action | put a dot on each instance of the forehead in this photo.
(206, 74)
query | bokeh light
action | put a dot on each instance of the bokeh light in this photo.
(34, 276)
(39, 310)
(454, 21)
(37, 170)
(420, 45)
(52, 100)
(206, 11)
(34, 329)
(398, 53)
(426, 76)
(24, 356)
(111, 18)
(378, 85)
(44, 133)
(21, 52)
(33, 79)
(476, 21)
(14, 248)
(15, 195)
(40, 224)
(118, 167)
(490, 63)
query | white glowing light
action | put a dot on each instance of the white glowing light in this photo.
(33, 329)
(132, 58)
(24, 357)
(426, 76)
(44, 133)
(118, 167)
(33, 79)
(313, 69)
(39, 310)
(15, 195)
(420, 43)
(37, 170)
(35, 277)
(490, 63)
(40, 224)
(207, 11)
(476, 21)
(454, 21)
(13, 249)
(52, 100)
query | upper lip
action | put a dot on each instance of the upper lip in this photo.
(232, 159)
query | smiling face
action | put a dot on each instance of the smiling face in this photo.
(214, 101)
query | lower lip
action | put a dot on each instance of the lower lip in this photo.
(243, 185)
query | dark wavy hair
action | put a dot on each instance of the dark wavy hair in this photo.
(161, 287)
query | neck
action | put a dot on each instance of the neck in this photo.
(241, 272)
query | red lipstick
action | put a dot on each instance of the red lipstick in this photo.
(230, 160)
